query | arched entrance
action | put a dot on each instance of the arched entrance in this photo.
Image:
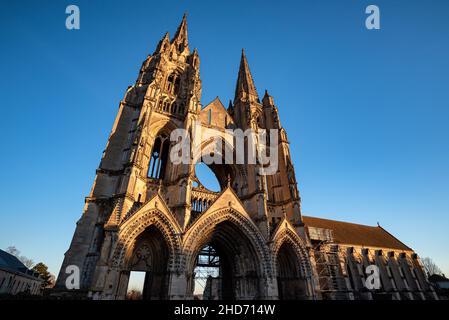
(291, 281)
(148, 242)
(150, 255)
(244, 260)
(238, 274)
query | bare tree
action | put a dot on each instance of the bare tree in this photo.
(134, 294)
(430, 267)
(15, 252)
(26, 261)
(51, 281)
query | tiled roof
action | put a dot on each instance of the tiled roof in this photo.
(357, 234)
(10, 263)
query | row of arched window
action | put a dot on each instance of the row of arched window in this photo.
(173, 83)
(170, 107)
(172, 87)
(200, 205)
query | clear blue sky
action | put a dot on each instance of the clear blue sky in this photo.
(367, 112)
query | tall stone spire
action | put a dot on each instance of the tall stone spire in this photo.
(245, 88)
(181, 39)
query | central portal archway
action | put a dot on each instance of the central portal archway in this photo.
(238, 269)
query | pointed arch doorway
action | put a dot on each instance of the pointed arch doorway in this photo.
(290, 278)
(149, 257)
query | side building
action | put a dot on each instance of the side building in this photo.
(16, 278)
(343, 251)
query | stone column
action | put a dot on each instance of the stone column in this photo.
(271, 286)
(354, 273)
(177, 286)
(400, 285)
(122, 287)
(103, 270)
(380, 262)
(365, 263)
(313, 282)
(111, 285)
(408, 273)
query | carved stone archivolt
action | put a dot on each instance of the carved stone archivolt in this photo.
(139, 223)
(285, 234)
(183, 250)
(195, 237)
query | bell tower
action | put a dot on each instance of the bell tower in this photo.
(275, 195)
(135, 163)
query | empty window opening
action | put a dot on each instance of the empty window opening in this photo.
(209, 117)
(158, 159)
(207, 177)
(135, 285)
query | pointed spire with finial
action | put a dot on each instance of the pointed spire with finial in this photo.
(245, 84)
(230, 108)
(181, 37)
(165, 41)
(267, 100)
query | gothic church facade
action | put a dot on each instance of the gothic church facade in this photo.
(145, 213)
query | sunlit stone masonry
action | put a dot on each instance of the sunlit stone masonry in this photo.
(248, 240)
